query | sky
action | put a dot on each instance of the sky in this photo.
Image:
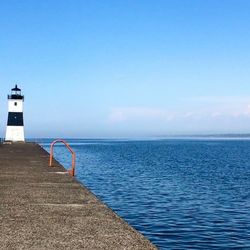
(126, 68)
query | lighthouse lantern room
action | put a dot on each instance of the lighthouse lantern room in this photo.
(15, 128)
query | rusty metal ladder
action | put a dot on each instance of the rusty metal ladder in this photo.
(70, 171)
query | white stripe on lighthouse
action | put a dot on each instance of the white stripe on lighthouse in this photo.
(14, 133)
(15, 105)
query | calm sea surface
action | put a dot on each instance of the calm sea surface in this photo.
(180, 194)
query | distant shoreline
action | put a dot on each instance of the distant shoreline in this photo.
(144, 138)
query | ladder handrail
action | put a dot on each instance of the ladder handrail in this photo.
(72, 170)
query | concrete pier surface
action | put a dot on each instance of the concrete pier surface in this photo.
(44, 208)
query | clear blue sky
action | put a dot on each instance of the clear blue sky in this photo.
(117, 68)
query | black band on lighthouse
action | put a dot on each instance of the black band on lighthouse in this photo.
(15, 119)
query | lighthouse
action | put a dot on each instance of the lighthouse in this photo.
(15, 129)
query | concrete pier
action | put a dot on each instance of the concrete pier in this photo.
(44, 208)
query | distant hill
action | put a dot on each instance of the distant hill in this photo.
(209, 136)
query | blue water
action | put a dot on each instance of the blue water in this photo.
(181, 194)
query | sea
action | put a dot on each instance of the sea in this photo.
(179, 193)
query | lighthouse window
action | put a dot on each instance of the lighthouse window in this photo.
(15, 103)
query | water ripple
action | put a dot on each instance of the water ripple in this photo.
(180, 194)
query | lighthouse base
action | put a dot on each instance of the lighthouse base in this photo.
(14, 133)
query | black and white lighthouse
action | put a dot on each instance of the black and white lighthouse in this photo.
(15, 129)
